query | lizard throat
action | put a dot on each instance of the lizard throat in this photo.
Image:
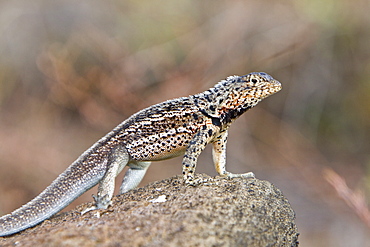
(232, 114)
(227, 116)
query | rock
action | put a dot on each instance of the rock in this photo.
(226, 212)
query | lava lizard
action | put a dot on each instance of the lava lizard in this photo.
(182, 126)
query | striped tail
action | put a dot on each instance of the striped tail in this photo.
(78, 178)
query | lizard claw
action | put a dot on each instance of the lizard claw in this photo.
(88, 210)
(100, 203)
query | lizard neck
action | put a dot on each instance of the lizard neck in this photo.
(208, 103)
(229, 115)
(213, 104)
(221, 104)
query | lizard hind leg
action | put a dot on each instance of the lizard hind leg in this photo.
(134, 175)
(118, 159)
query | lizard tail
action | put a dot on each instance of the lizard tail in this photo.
(74, 181)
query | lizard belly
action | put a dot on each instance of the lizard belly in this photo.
(168, 155)
(155, 147)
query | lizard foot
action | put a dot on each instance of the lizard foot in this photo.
(199, 181)
(100, 203)
(243, 175)
(195, 182)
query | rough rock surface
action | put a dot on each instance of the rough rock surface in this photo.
(227, 212)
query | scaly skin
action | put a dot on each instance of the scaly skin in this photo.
(182, 126)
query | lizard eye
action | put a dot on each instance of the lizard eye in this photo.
(254, 80)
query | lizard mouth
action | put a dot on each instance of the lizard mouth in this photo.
(277, 86)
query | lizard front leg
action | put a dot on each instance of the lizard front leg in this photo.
(196, 146)
(219, 157)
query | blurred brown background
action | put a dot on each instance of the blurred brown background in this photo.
(70, 71)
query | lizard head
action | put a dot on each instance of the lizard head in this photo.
(244, 92)
(254, 87)
(233, 96)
